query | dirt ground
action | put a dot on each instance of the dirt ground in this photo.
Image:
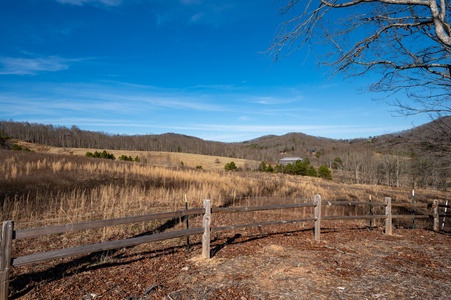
(348, 263)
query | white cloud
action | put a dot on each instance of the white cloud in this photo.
(31, 66)
(83, 2)
(127, 108)
(115, 97)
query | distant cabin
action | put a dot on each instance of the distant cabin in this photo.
(289, 160)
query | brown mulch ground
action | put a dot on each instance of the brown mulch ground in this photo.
(348, 263)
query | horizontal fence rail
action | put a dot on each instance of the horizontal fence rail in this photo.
(259, 208)
(92, 248)
(35, 232)
(9, 234)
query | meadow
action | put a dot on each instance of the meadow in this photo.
(59, 185)
(42, 189)
(49, 186)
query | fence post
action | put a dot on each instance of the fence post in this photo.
(5, 260)
(444, 216)
(436, 215)
(388, 220)
(413, 209)
(187, 225)
(317, 212)
(206, 220)
(371, 214)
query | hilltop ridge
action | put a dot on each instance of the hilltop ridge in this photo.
(268, 147)
(417, 157)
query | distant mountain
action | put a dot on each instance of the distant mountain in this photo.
(433, 137)
(419, 157)
(272, 147)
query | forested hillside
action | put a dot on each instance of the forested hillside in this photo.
(419, 157)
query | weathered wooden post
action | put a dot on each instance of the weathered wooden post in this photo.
(187, 225)
(413, 209)
(444, 216)
(206, 220)
(436, 215)
(388, 220)
(371, 214)
(317, 215)
(5, 260)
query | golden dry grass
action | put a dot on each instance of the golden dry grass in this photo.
(47, 189)
(62, 186)
(168, 159)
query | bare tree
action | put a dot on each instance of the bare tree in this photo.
(407, 41)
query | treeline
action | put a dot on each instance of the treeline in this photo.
(397, 169)
(60, 136)
(418, 158)
(268, 148)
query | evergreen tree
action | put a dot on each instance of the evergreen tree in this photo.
(324, 172)
(230, 166)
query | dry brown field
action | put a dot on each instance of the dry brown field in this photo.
(59, 186)
(168, 159)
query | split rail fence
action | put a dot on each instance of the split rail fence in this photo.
(7, 261)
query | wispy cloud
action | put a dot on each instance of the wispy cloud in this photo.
(83, 2)
(107, 98)
(274, 100)
(258, 128)
(191, 2)
(331, 130)
(32, 66)
(197, 17)
(195, 12)
(127, 108)
(113, 98)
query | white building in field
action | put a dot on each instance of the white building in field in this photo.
(289, 160)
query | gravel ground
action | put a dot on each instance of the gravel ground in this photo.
(348, 263)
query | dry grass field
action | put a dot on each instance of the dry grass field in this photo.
(167, 159)
(59, 186)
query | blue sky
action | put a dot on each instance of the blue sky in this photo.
(193, 67)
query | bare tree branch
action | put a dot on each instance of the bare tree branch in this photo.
(407, 41)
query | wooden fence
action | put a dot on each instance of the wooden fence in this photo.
(7, 261)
